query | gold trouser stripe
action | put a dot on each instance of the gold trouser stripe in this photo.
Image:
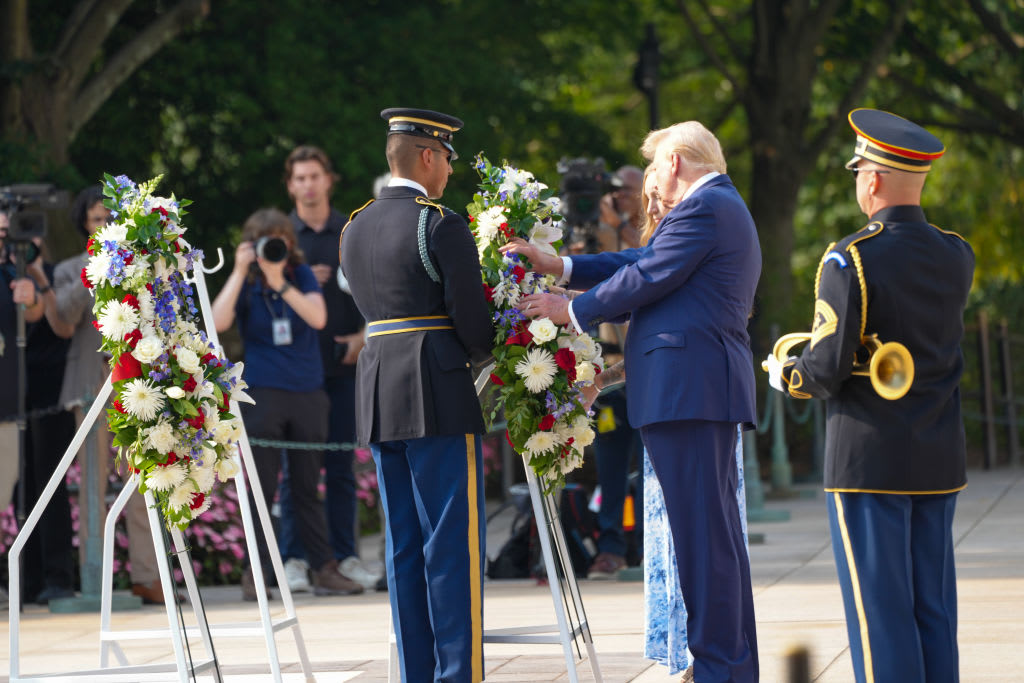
(475, 598)
(410, 329)
(851, 565)
(900, 493)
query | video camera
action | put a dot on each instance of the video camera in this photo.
(583, 183)
(24, 203)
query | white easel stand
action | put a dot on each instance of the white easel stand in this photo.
(109, 639)
(565, 591)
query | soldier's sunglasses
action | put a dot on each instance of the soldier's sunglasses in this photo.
(446, 153)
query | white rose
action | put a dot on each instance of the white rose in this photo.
(227, 468)
(175, 392)
(585, 372)
(585, 347)
(223, 432)
(148, 349)
(583, 437)
(543, 330)
(187, 360)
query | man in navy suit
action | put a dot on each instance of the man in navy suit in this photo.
(687, 295)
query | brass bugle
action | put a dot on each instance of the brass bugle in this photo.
(889, 365)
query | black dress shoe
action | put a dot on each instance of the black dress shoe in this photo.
(382, 584)
(53, 593)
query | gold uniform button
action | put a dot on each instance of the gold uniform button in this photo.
(467, 365)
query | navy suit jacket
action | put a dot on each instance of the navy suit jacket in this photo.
(688, 295)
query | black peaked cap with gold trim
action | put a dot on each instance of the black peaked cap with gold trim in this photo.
(893, 141)
(422, 123)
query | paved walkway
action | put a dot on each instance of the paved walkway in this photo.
(796, 597)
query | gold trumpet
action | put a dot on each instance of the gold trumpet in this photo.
(890, 365)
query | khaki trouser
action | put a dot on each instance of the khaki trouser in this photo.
(8, 461)
(141, 555)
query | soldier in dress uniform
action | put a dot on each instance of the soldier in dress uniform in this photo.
(893, 467)
(413, 270)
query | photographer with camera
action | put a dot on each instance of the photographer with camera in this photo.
(309, 178)
(608, 225)
(48, 571)
(279, 307)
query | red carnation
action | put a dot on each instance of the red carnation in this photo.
(128, 259)
(198, 420)
(127, 367)
(118, 407)
(518, 273)
(496, 379)
(209, 358)
(509, 439)
(488, 293)
(546, 423)
(189, 385)
(177, 246)
(197, 500)
(149, 287)
(133, 338)
(172, 458)
(471, 219)
(96, 324)
(90, 245)
(565, 359)
(597, 369)
(225, 405)
(131, 300)
(85, 280)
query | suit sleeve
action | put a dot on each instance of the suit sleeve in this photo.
(454, 252)
(677, 250)
(827, 360)
(590, 269)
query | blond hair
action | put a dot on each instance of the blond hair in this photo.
(697, 145)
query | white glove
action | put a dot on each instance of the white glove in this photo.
(774, 367)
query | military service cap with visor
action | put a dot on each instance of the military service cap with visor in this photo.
(423, 123)
(893, 141)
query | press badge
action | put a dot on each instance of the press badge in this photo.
(282, 330)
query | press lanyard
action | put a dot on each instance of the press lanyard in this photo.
(280, 325)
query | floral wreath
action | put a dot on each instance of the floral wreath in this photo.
(540, 368)
(170, 417)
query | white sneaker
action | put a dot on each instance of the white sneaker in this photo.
(296, 572)
(353, 568)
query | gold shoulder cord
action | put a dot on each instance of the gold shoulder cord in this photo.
(426, 202)
(821, 267)
(949, 232)
(863, 289)
(350, 217)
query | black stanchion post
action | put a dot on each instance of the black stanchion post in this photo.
(987, 402)
(1006, 361)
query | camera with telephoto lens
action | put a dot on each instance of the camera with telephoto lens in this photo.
(583, 183)
(24, 203)
(271, 249)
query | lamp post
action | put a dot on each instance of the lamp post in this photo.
(645, 75)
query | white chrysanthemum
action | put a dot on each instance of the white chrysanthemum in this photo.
(543, 330)
(148, 349)
(117, 319)
(181, 496)
(205, 476)
(161, 438)
(585, 372)
(142, 399)
(97, 267)
(487, 224)
(585, 347)
(571, 461)
(166, 478)
(543, 234)
(112, 232)
(147, 307)
(187, 360)
(537, 369)
(540, 442)
(227, 468)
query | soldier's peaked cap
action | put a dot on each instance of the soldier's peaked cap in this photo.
(893, 141)
(423, 123)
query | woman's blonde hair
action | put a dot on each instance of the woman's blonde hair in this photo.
(697, 145)
(647, 231)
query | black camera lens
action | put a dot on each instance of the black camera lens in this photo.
(272, 249)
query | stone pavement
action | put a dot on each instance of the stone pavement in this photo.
(797, 601)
